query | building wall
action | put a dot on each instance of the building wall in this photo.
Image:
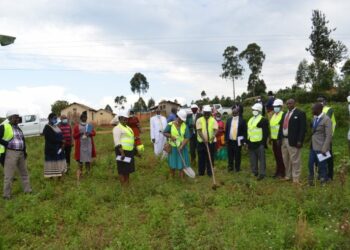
(74, 111)
(166, 107)
(103, 117)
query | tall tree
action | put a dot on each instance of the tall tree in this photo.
(58, 106)
(139, 84)
(203, 94)
(120, 100)
(140, 105)
(232, 68)
(326, 52)
(109, 108)
(302, 76)
(323, 47)
(255, 58)
(151, 103)
(346, 68)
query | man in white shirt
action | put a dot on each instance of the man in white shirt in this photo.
(158, 124)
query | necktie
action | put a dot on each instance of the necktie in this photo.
(234, 130)
(286, 121)
(315, 122)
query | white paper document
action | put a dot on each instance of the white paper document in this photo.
(239, 140)
(322, 157)
(126, 159)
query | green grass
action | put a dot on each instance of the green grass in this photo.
(158, 212)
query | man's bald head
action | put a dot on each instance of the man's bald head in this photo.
(290, 104)
(317, 109)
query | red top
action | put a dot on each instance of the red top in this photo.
(134, 124)
(76, 136)
(67, 133)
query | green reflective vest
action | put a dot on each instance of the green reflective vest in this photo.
(211, 123)
(180, 137)
(127, 139)
(8, 135)
(255, 134)
(275, 124)
(334, 122)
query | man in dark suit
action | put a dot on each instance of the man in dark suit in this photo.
(291, 136)
(235, 136)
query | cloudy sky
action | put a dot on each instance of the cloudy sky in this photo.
(87, 51)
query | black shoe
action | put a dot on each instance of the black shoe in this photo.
(261, 177)
(256, 174)
(229, 169)
(6, 198)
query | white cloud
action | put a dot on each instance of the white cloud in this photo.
(34, 100)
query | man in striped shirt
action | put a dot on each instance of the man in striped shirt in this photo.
(67, 136)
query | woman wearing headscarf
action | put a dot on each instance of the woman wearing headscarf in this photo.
(55, 159)
(83, 134)
(134, 123)
(179, 135)
(124, 142)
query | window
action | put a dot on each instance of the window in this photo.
(29, 118)
(101, 113)
(74, 110)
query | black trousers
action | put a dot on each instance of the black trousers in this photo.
(67, 151)
(203, 159)
(234, 155)
(193, 147)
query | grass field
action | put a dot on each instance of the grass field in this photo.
(158, 212)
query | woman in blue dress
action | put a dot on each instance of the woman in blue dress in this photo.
(178, 136)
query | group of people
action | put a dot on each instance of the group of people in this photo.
(183, 139)
(205, 133)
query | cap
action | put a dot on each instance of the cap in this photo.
(194, 106)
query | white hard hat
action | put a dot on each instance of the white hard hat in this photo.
(194, 106)
(257, 106)
(123, 113)
(182, 114)
(278, 102)
(207, 108)
(11, 113)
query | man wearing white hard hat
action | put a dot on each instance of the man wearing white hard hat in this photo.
(13, 150)
(124, 146)
(275, 124)
(258, 131)
(178, 134)
(206, 130)
(291, 135)
(157, 126)
(191, 124)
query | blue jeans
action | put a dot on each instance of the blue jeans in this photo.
(321, 165)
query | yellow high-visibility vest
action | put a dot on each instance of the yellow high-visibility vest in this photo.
(255, 134)
(275, 124)
(334, 122)
(180, 137)
(211, 122)
(127, 139)
(8, 135)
